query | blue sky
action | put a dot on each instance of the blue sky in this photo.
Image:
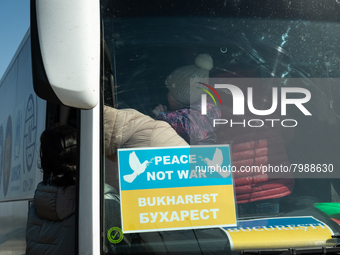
(14, 22)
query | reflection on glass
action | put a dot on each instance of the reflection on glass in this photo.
(151, 55)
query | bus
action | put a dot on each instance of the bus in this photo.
(248, 88)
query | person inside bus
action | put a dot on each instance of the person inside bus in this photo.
(51, 218)
(255, 193)
(184, 100)
(128, 128)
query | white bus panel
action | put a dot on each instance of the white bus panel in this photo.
(22, 120)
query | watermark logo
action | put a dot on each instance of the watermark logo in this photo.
(300, 97)
(115, 235)
(238, 100)
(204, 97)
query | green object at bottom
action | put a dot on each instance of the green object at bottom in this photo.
(112, 233)
(331, 209)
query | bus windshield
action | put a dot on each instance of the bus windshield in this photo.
(256, 87)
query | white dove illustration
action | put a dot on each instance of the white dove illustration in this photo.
(136, 166)
(217, 161)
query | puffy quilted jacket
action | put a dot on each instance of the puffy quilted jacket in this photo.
(256, 148)
(262, 150)
(129, 128)
(51, 219)
(190, 124)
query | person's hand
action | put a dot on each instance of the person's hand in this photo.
(158, 109)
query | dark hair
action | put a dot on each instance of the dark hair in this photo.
(58, 154)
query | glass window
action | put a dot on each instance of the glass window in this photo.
(262, 79)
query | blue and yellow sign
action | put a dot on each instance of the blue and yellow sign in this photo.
(283, 232)
(176, 188)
